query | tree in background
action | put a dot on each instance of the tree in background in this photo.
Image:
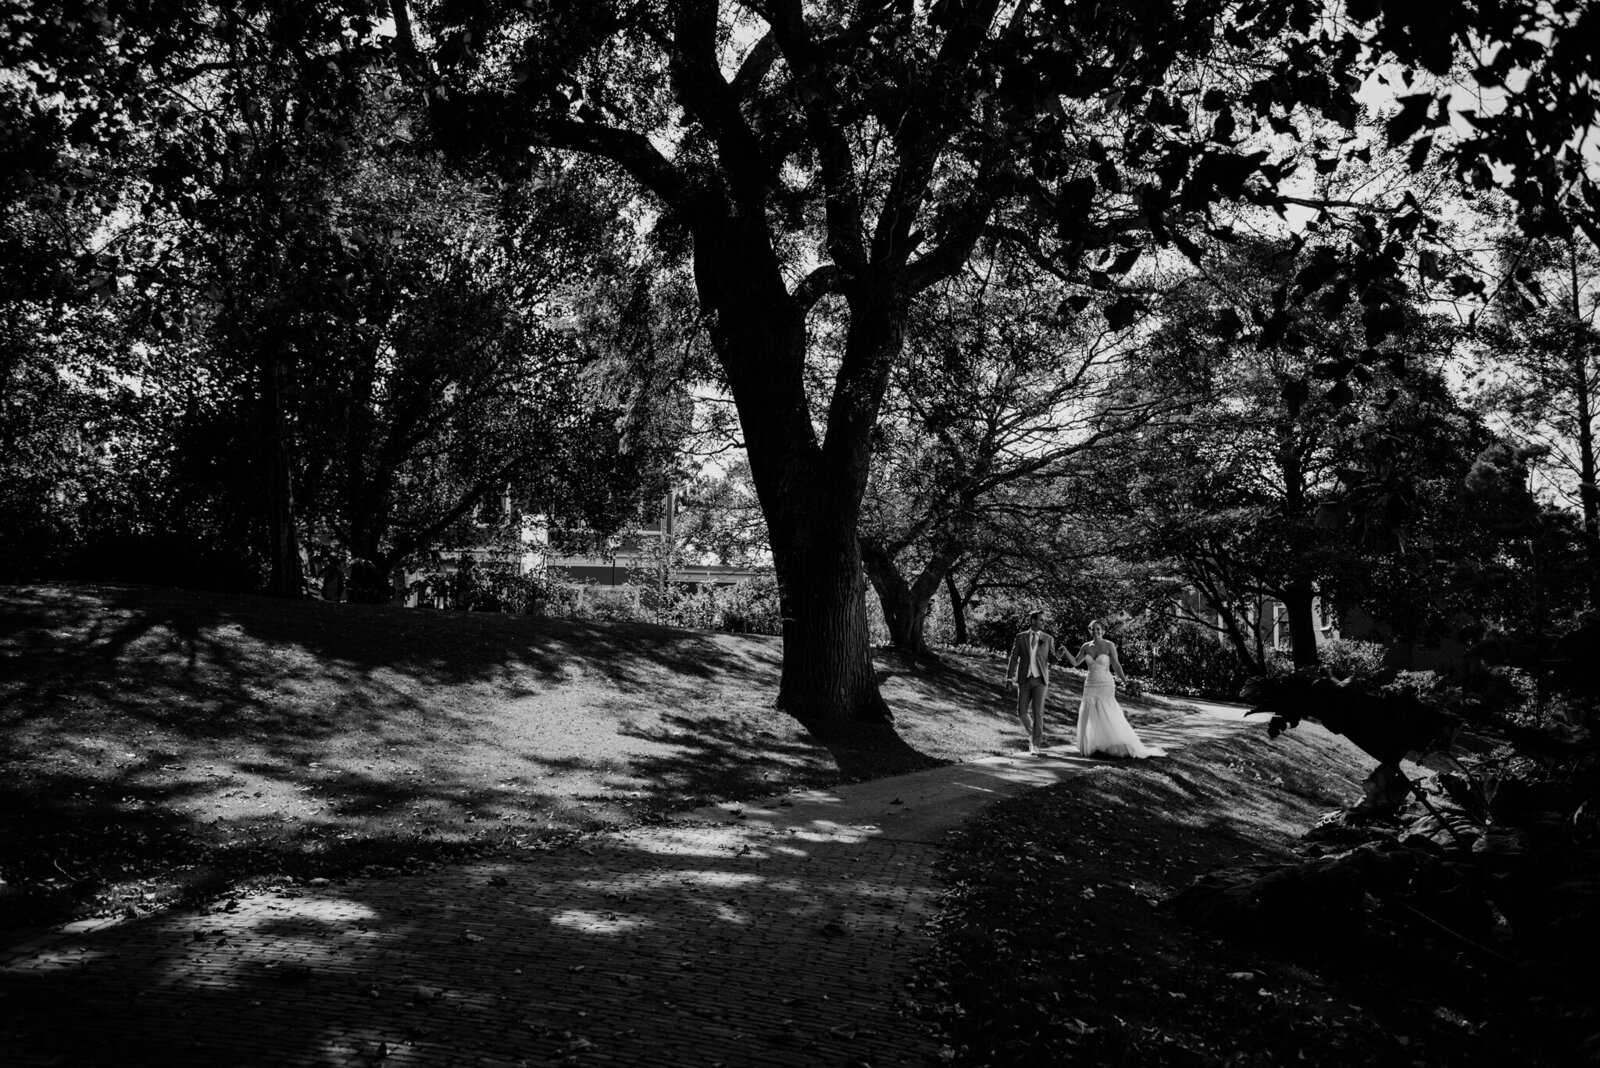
(1009, 381)
(1530, 591)
(61, 350)
(309, 299)
(721, 518)
(857, 154)
(1253, 494)
(1541, 362)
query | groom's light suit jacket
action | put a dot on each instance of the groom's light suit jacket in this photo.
(1017, 665)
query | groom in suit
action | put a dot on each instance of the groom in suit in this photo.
(1028, 669)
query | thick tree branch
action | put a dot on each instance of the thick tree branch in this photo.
(816, 285)
(965, 226)
(758, 62)
(842, 192)
(708, 98)
(631, 151)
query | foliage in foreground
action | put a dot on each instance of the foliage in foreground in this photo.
(1054, 947)
(1495, 850)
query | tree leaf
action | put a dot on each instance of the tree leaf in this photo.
(1413, 115)
(1122, 313)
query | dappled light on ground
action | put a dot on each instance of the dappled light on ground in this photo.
(685, 944)
(173, 743)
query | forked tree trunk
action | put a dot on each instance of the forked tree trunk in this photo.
(904, 613)
(906, 605)
(810, 491)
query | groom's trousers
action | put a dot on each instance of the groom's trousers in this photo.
(1030, 706)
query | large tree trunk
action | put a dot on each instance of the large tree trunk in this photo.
(810, 491)
(1300, 602)
(828, 676)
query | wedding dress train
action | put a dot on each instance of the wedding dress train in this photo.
(1103, 729)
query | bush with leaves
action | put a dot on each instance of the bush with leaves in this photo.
(1351, 658)
(1183, 658)
(490, 586)
(1495, 847)
(609, 604)
(750, 607)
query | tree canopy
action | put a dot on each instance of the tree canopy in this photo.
(814, 168)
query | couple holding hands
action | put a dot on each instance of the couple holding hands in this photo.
(1103, 729)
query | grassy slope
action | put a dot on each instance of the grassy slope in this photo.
(1056, 944)
(159, 743)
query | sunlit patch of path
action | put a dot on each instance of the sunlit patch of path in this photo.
(775, 933)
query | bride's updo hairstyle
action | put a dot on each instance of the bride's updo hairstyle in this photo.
(1096, 625)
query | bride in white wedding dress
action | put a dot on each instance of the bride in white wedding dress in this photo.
(1103, 729)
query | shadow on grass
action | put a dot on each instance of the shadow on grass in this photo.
(780, 943)
(691, 945)
(174, 743)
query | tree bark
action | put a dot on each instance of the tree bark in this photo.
(906, 604)
(1300, 592)
(828, 676)
(366, 496)
(286, 575)
(1299, 600)
(1588, 491)
(958, 608)
(894, 594)
(810, 491)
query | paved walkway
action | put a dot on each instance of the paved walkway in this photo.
(775, 933)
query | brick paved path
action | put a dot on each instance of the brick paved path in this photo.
(776, 934)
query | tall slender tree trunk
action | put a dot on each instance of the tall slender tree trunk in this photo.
(1300, 593)
(958, 608)
(1588, 491)
(365, 499)
(286, 574)
(1212, 587)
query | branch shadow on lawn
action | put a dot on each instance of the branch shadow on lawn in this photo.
(175, 744)
(685, 946)
(744, 941)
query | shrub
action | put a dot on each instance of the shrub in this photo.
(609, 604)
(1184, 658)
(1347, 658)
(1002, 620)
(750, 607)
(475, 586)
(689, 606)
